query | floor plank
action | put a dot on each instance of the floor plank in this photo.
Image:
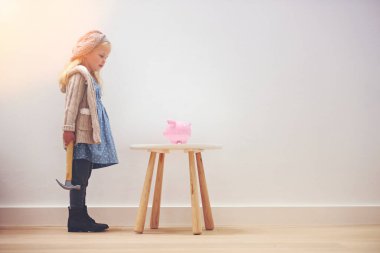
(263, 239)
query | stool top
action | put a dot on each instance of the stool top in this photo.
(168, 147)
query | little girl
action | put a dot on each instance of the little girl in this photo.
(86, 123)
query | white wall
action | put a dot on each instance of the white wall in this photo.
(289, 88)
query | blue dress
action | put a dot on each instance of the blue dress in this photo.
(103, 154)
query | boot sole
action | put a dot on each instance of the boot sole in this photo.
(83, 230)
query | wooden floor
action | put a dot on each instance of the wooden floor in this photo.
(260, 239)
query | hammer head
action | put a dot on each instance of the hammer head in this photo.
(68, 185)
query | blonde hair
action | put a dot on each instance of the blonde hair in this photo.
(64, 77)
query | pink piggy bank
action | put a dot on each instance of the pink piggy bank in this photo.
(177, 132)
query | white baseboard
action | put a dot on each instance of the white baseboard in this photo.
(181, 216)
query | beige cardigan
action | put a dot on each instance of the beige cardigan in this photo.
(81, 115)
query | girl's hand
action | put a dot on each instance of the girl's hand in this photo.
(68, 137)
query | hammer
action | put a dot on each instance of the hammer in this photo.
(69, 169)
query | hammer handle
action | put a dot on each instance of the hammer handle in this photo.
(69, 160)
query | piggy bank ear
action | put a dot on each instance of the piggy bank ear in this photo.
(171, 122)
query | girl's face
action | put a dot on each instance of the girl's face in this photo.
(95, 60)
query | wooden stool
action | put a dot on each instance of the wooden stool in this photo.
(162, 149)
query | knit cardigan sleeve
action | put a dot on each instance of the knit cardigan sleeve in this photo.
(74, 94)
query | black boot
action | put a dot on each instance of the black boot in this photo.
(92, 220)
(78, 222)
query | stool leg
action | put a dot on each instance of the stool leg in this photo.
(197, 229)
(141, 214)
(155, 217)
(209, 221)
